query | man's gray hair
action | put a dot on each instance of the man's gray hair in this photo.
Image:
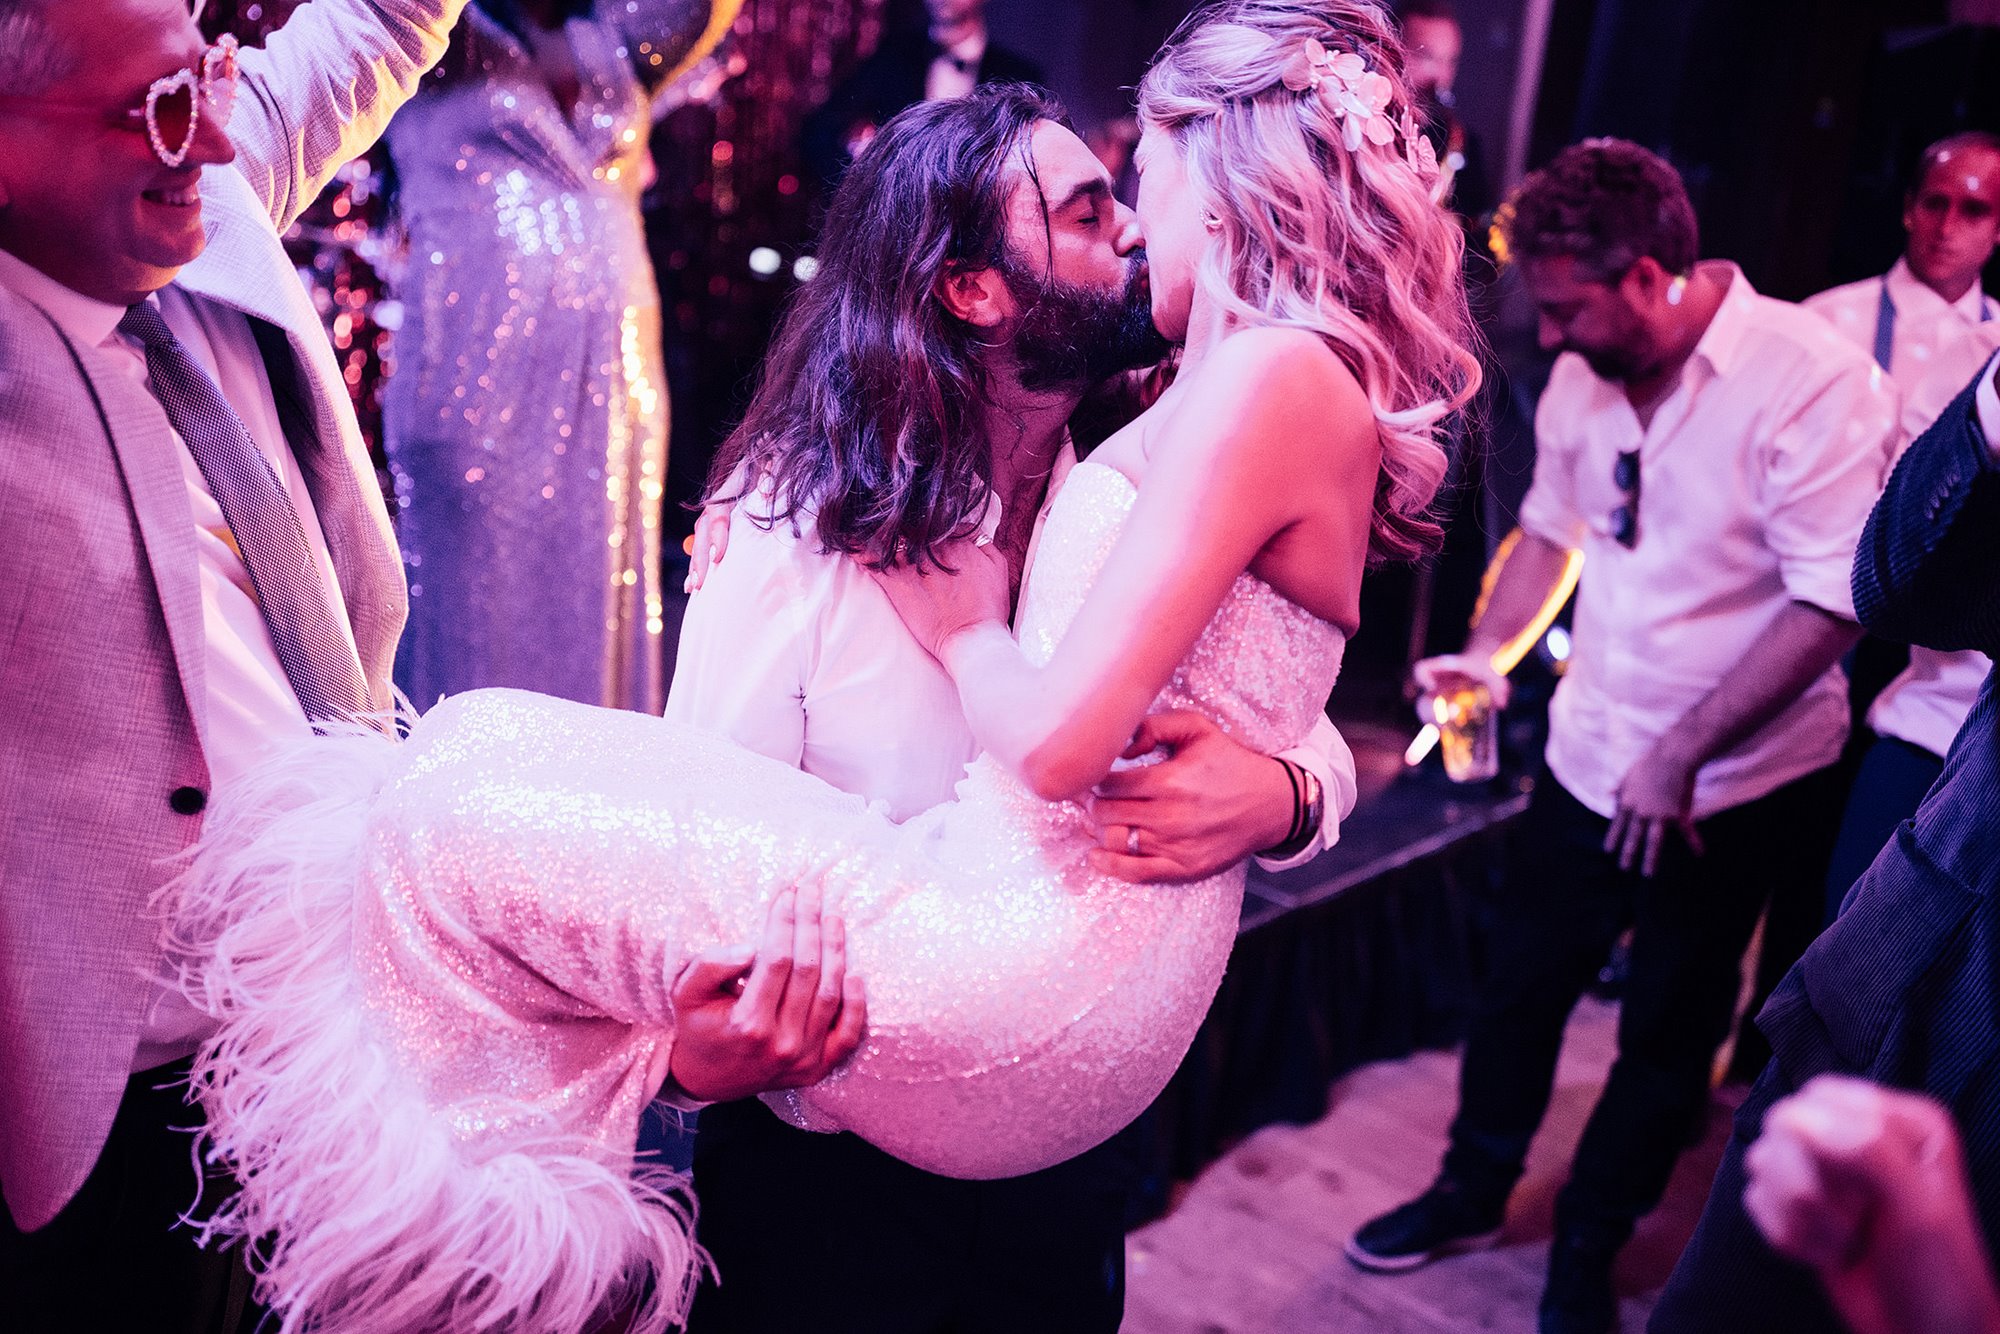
(32, 58)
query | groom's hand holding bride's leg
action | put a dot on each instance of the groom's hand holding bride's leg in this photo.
(780, 1016)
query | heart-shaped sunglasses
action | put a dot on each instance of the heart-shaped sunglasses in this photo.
(173, 107)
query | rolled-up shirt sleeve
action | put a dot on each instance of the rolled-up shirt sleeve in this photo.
(1822, 474)
(1326, 756)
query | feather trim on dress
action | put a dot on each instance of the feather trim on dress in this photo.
(364, 1210)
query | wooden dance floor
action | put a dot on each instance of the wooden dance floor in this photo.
(1254, 1245)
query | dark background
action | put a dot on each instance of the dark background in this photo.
(1794, 122)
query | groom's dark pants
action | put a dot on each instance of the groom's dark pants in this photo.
(1564, 903)
(829, 1234)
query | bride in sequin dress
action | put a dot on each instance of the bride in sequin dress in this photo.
(526, 422)
(443, 968)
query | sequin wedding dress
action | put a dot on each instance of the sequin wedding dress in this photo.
(443, 970)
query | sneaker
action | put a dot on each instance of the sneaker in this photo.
(1579, 1298)
(1442, 1221)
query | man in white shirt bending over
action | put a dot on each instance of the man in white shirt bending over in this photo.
(1714, 454)
(887, 424)
(1930, 296)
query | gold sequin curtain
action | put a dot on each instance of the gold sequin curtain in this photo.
(338, 243)
(730, 191)
(732, 214)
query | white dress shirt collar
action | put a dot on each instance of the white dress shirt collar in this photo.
(85, 319)
(1721, 345)
(1912, 297)
(989, 522)
(1918, 327)
(1716, 355)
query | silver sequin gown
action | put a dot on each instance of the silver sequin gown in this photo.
(534, 874)
(526, 418)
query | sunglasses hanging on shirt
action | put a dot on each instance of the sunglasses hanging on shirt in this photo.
(1625, 519)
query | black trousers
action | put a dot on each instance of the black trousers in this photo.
(1729, 1278)
(116, 1260)
(1563, 904)
(827, 1233)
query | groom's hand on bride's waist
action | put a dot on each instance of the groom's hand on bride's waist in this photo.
(780, 1016)
(1210, 804)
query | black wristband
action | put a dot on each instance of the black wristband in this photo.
(1298, 824)
(1296, 835)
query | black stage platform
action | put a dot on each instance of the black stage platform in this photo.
(1366, 954)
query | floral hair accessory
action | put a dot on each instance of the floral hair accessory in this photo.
(1418, 148)
(1359, 99)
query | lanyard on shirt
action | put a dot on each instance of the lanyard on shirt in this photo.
(1885, 323)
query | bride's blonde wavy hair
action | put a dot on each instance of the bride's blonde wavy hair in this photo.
(1349, 244)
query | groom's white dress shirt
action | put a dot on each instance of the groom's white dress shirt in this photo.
(797, 654)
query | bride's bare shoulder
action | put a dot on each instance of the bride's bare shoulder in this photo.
(1273, 359)
(1291, 381)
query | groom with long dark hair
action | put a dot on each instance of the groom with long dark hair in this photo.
(977, 277)
(882, 375)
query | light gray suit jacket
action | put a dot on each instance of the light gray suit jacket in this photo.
(102, 698)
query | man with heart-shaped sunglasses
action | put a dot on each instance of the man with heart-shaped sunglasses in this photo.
(197, 561)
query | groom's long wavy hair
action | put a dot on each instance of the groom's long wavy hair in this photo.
(868, 421)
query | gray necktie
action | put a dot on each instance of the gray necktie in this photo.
(305, 627)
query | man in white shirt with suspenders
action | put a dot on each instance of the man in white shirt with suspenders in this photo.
(1928, 323)
(1931, 295)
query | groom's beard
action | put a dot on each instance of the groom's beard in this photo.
(1072, 336)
